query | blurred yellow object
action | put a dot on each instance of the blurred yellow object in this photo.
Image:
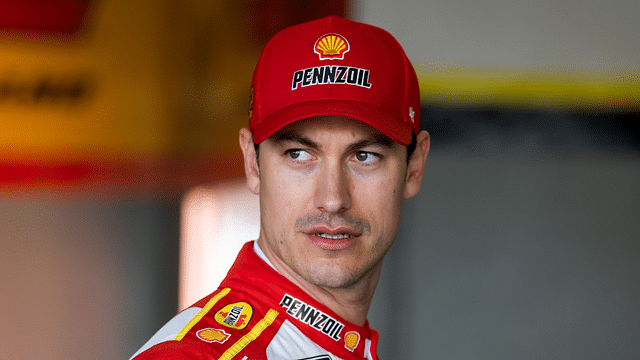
(457, 86)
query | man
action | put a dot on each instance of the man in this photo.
(333, 148)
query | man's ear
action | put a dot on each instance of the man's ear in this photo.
(415, 168)
(251, 169)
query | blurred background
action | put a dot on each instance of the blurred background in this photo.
(121, 178)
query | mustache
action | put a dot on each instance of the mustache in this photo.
(333, 220)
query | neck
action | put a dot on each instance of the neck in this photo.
(350, 303)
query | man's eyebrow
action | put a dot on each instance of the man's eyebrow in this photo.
(383, 141)
(295, 138)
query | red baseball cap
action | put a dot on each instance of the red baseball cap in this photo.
(335, 66)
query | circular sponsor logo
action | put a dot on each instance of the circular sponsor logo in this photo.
(236, 316)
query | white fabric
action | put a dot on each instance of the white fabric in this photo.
(367, 349)
(171, 329)
(290, 343)
(262, 256)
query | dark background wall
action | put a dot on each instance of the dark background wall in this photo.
(522, 244)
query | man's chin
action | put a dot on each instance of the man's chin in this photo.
(332, 277)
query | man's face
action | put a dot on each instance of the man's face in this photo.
(331, 190)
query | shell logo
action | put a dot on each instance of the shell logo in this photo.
(351, 340)
(212, 335)
(331, 47)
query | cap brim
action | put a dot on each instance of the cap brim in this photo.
(369, 114)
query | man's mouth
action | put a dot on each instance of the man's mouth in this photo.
(333, 241)
(333, 237)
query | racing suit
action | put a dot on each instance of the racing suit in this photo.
(257, 314)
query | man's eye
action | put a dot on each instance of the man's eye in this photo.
(298, 154)
(363, 156)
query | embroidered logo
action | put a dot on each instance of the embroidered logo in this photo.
(330, 74)
(235, 316)
(312, 317)
(351, 340)
(212, 335)
(331, 47)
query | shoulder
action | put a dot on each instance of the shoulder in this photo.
(224, 322)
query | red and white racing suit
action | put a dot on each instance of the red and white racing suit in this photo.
(258, 314)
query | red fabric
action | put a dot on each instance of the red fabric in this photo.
(369, 79)
(254, 282)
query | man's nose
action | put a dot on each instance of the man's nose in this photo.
(333, 188)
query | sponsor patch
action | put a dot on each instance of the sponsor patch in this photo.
(212, 335)
(236, 316)
(330, 74)
(351, 340)
(312, 317)
(331, 47)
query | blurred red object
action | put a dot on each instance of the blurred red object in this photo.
(62, 16)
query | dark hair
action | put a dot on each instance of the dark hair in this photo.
(410, 148)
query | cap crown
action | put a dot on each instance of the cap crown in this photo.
(334, 66)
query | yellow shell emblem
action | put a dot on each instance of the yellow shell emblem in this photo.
(351, 340)
(212, 335)
(331, 46)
